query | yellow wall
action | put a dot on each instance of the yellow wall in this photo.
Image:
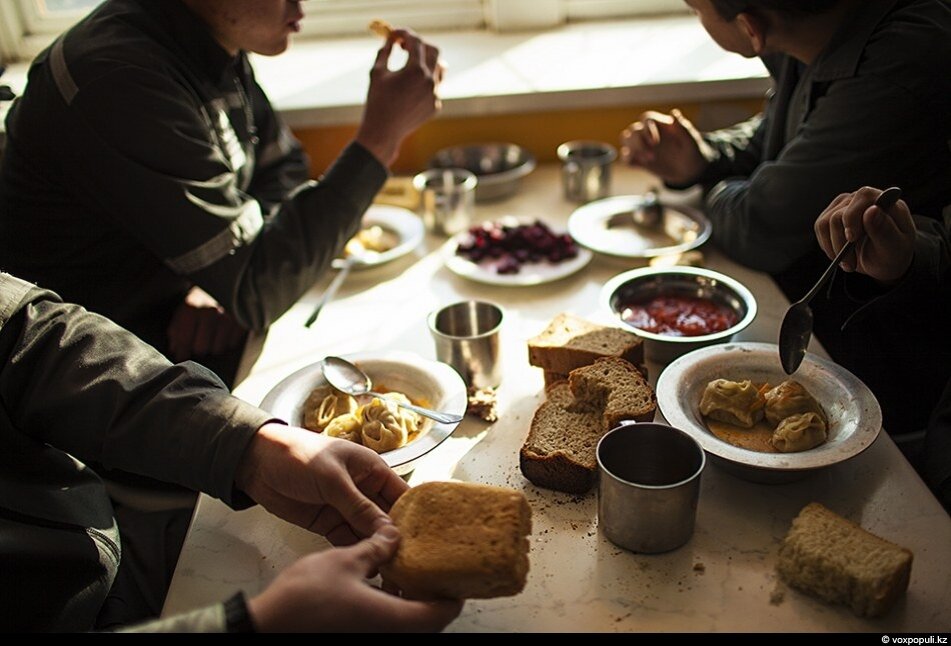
(540, 132)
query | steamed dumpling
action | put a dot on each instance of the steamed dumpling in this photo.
(734, 402)
(799, 433)
(790, 398)
(383, 429)
(411, 421)
(323, 404)
(346, 427)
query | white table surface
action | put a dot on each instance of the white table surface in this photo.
(722, 580)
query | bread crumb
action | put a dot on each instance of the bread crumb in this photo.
(778, 595)
(483, 404)
(699, 567)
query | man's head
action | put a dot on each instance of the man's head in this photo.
(729, 9)
(260, 26)
(742, 26)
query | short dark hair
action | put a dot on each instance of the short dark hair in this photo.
(729, 9)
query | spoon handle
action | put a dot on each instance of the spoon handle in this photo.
(331, 289)
(444, 418)
(885, 200)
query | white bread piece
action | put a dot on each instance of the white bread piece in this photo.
(836, 560)
(460, 540)
(570, 342)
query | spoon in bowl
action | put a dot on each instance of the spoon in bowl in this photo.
(796, 330)
(348, 378)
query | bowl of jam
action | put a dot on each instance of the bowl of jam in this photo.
(678, 309)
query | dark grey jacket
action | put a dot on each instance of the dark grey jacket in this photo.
(873, 110)
(75, 389)
(142, 159)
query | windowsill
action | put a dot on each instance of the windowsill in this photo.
(583, 65)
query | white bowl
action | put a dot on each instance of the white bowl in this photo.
(855, 418)
(430, 383)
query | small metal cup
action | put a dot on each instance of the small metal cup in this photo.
(649, 486)
(467, 338)
(448, 199)
(586, 169)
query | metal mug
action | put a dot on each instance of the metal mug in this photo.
(467, 338)
(586, 169)
(447, 199)
(649, 486)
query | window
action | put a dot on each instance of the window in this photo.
(27, 26)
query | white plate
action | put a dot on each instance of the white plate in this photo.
(434, 384)
(403, 223)
(603, 226)
(855, 418)
(534, 273)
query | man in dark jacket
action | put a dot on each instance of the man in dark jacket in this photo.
(862, 96)
(77, 390)
(143, 160)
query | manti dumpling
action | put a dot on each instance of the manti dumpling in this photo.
(733, 402)
(323, 404)
(348, 427)
(790, 398)
(411, 421)
(799, 433)
(383, 428)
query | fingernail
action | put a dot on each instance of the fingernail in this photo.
(848, 234)
(388, 532)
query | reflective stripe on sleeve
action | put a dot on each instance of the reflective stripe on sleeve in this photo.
(244, 227)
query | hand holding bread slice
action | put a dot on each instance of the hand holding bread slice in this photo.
(460, 540)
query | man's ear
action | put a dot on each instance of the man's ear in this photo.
(755, 28)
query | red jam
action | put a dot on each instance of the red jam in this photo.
(679, 316)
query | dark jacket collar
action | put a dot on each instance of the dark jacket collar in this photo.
(841, 57)
(191, 35)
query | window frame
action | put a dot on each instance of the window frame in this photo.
(25, 32)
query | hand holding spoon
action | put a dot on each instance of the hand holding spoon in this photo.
(796, 329)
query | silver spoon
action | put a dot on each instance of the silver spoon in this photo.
(796, 330)
(648, 212)
(346, 377)
(332, 289)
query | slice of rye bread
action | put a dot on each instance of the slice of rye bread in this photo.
(559, 451)
(838, 561)
(571, 342)
(616, 389)
(460, 540)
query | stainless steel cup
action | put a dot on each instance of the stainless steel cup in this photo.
(447, 199)
(586, 169)
(649, 487)
(467, 338)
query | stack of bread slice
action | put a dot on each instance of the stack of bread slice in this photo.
(559, 452)
(570, 342)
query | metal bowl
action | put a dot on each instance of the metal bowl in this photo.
(640, 285)
(498, 166)
(430, 383)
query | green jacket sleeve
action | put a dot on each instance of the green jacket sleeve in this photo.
(78, 382)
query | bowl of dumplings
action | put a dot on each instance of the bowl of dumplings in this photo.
(761, 424)
(400, 436)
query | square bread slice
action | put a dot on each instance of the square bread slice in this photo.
(559, 451)
(571, 342)
(616, 388)
(836, 560)
(460, 540)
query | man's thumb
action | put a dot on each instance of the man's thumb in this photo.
(380, 548)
